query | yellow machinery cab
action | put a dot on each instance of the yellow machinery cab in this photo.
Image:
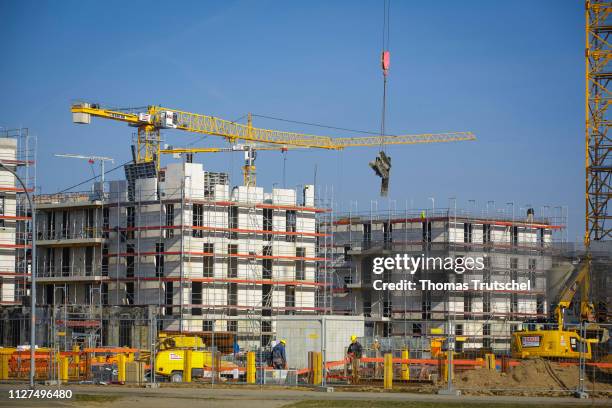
(549, 344)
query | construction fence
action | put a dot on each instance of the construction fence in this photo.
(134, 352)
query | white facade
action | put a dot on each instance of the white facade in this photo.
(8, 224)
(211, 259)
(511, 251)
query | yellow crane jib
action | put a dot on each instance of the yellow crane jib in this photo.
(150, 120)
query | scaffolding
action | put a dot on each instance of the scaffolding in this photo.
(18, 153)
(519, 248)
(207, 259)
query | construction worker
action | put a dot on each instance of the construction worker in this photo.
(354, 352)
(279, 357)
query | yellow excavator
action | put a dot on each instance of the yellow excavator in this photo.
(552, 339)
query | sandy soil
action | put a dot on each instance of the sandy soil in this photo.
(531, 375)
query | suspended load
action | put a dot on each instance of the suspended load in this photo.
(382, 167)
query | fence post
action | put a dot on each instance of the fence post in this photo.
(251, 368)
(213, 353)
(581, 391)
(388, 371)
(152, 351)
(121, 368)
(405, 366)
(217, 366)
(448, 367)
(187, 365)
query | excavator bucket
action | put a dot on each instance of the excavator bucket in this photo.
(382, 167)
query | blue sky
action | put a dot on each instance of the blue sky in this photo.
(511, 72)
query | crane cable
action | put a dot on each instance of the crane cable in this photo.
(385, 62)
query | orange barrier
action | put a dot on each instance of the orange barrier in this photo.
(423, 361)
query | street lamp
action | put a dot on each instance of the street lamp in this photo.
(33, 277)
(433, 206)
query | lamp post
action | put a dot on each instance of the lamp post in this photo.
(33, 277)
(433, 206)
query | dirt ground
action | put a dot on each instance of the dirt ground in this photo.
(531, 375)
(195, 397)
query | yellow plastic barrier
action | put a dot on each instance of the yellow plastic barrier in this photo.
(121, 360)
(315, 368)
(405, 366)
(188, 365)
(444, 368)
(490, 361)
(76, 350)
(317, 378)
(388, 371)
(4, 366)
(251, 368)
(63, 369)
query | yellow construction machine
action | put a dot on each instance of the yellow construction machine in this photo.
(170, 357)
(551, 339)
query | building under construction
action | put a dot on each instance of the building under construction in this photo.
(17, 154)
(513, 249)
(177, 249)
(182, 246)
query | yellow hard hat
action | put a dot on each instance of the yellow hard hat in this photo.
(283, 341)
(353, 338)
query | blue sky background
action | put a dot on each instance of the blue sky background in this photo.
(511, 72)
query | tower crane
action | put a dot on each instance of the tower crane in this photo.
(91, 160)
(150, 120)
(250, 154)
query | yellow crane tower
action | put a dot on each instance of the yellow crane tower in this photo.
(150, 120)
(598, 54)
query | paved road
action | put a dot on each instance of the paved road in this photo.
(254, 397)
